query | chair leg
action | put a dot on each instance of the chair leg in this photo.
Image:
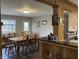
(5, 50)
(8, 51)
(14, 49)
(22, 49)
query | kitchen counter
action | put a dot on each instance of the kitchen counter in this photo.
(65, 43)
(59, 50)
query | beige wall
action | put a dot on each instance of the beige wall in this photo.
(19, 22)
(43, 30)
(73, 22)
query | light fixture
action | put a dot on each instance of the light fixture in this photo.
(26, 11)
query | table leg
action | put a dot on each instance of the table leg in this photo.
(17, 49)
(38, 45)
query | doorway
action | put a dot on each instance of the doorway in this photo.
(65, 24)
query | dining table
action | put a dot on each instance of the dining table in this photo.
(18, 40)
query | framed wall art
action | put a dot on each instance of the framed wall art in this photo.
(44, 22)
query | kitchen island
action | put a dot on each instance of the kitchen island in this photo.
(59, 50)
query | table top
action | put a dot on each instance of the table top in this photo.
(17, 39)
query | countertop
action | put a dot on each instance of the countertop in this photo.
(65, 43)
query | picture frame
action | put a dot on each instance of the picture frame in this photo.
(37, 24)
(44, 22)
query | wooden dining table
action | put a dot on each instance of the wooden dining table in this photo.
(17, 40)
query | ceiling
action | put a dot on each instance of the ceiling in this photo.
(16, 7)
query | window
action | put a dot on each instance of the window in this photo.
(8, 26)
(26, 26)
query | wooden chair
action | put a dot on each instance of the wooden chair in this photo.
(33, 45)
(7, 45)
(23, 44)
(27, 43)
(13, 34)
(34, 40)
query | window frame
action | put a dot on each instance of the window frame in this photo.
(8, 23)
(24, 26)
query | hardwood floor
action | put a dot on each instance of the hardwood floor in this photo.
(12, 55)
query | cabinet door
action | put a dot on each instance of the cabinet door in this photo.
(54, 50)
(72, 54)
(45, 51)
(65, 53)
(69, 53)
(50, 51)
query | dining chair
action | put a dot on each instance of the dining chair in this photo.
(27, 43)
(32, 45)
(32, 35)
(23, 44)
(13, 34)
(9, 46)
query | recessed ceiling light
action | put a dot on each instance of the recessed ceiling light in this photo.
(26, 11)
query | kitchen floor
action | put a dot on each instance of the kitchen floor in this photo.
(12, 55)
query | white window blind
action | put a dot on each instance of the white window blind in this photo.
(8, 26)
(26, 26)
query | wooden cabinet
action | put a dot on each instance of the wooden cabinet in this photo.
(57, 51)
(50, 51)
(70, 53)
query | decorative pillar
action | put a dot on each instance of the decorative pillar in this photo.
(59, 28)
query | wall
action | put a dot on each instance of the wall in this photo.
(43, 30)
(73, 22)
(19, 22)
(61, 5)
(70, 23)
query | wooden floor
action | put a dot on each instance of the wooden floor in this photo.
(12, 55)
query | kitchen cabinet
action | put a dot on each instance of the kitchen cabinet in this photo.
(58, 51)
(69, 53)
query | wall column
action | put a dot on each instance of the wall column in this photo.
(58, 29)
